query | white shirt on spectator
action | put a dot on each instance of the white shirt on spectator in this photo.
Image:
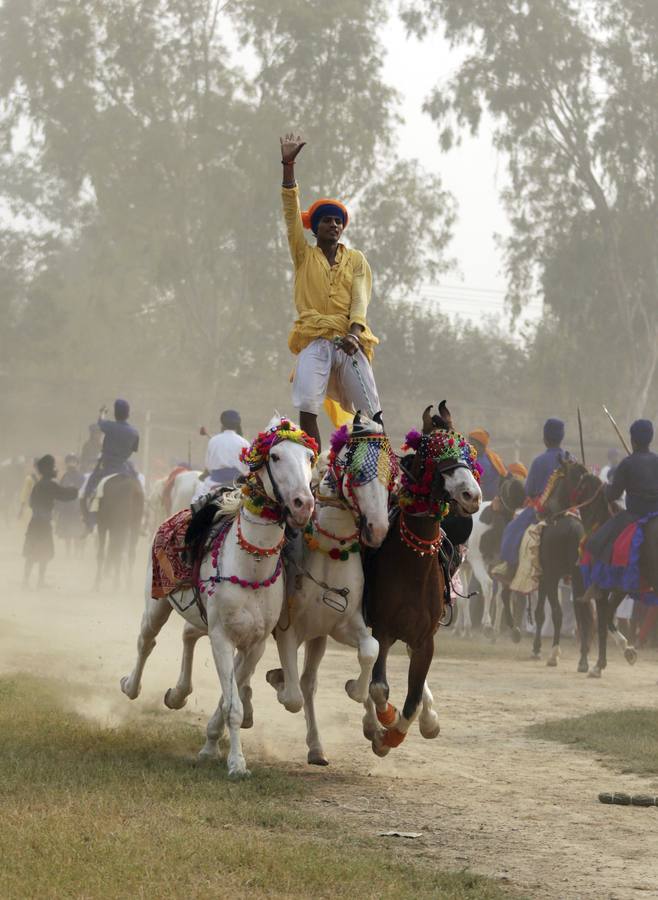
(224, 451)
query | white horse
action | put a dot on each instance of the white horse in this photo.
(180, 497)
(244, 592)
(325, 582)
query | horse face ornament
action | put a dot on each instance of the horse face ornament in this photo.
(364, 470)
(283, 457)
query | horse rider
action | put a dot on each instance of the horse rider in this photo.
(39, 548)
(637, 476)
(493, 468)
(223, 463)
(541, 469)
(120, 441)
(332, 290)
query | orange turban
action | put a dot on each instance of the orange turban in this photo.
(482, 436)
(518, 469)
(324, 207)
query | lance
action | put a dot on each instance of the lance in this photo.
(619, 434)
(582, 443)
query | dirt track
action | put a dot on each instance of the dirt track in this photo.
(483, 794)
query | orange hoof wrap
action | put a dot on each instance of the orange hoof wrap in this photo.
(387, 717)
(393, 738)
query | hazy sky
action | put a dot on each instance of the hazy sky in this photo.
(473, 172)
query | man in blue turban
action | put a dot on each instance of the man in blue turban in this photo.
(637, 477)
(120, 441)
(541, 470)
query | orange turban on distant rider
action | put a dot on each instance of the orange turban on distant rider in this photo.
(518, 469)
(482, 436)
(324, 207)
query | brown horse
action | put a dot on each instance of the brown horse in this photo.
(119, 520)
(405, 583)
(595, 511)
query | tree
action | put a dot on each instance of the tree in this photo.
(572, 89)
(140, 146)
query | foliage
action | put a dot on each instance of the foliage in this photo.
(572, 89)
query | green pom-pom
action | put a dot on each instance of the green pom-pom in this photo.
(344, 554)
(355, 548)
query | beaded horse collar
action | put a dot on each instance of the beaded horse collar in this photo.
(438, 452)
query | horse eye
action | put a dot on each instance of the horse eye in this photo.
(275, 457)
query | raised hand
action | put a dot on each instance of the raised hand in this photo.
(290, 147)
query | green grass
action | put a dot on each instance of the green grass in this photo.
(627, 739)
(95, 812)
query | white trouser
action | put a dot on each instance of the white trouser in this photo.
(324, 370)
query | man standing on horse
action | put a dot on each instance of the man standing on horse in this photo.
(540, 472)
(332, 291)
(120, 441)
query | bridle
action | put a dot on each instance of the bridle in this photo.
(367, 457)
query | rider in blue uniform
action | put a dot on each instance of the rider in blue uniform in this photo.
(637, 476)
(541, 470)
(120, 441)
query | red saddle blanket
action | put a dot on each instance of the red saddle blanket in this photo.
(170, 571)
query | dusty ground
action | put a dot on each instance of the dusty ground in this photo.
(484, 795)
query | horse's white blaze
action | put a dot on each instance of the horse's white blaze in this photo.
(463, 489)
(291, 471)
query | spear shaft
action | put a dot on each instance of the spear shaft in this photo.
(582, 442)
(619, 434)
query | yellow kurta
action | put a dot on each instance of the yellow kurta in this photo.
(328, 298)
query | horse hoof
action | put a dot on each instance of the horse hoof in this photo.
(247, 720)
(594, 672)
(488, 632)
(352, 691)
(630, 655)
(239, 774)
(534, 657)
(275, 678)
(553, 658)
(369, 729)
(516, 635)
(131, 693)
(583, 666)
(431, 728)
(317, 758)
(171, 702)
(207, 757)
(379, 748)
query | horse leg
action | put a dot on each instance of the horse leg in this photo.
(285, 680)
(553, 590)
(630, 653)
(367, 652)
(428, 721)
(100, 554)
(379, 713)
(156, 613)
(583, 612)
(313, 653)
(176, 697)
(539, 619)
(489, 606)
(229, 710)
(245, 666)
(602, 629)
(395, 733)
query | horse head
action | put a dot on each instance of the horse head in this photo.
(363, 471)
(283, 457)
(453, 478)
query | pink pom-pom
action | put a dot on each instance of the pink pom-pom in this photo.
(412, 439)
(340, 438)
(235, 579)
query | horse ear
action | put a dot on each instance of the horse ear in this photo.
(357, 417)
(378, 418)
(444, 412)
(428, 424)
